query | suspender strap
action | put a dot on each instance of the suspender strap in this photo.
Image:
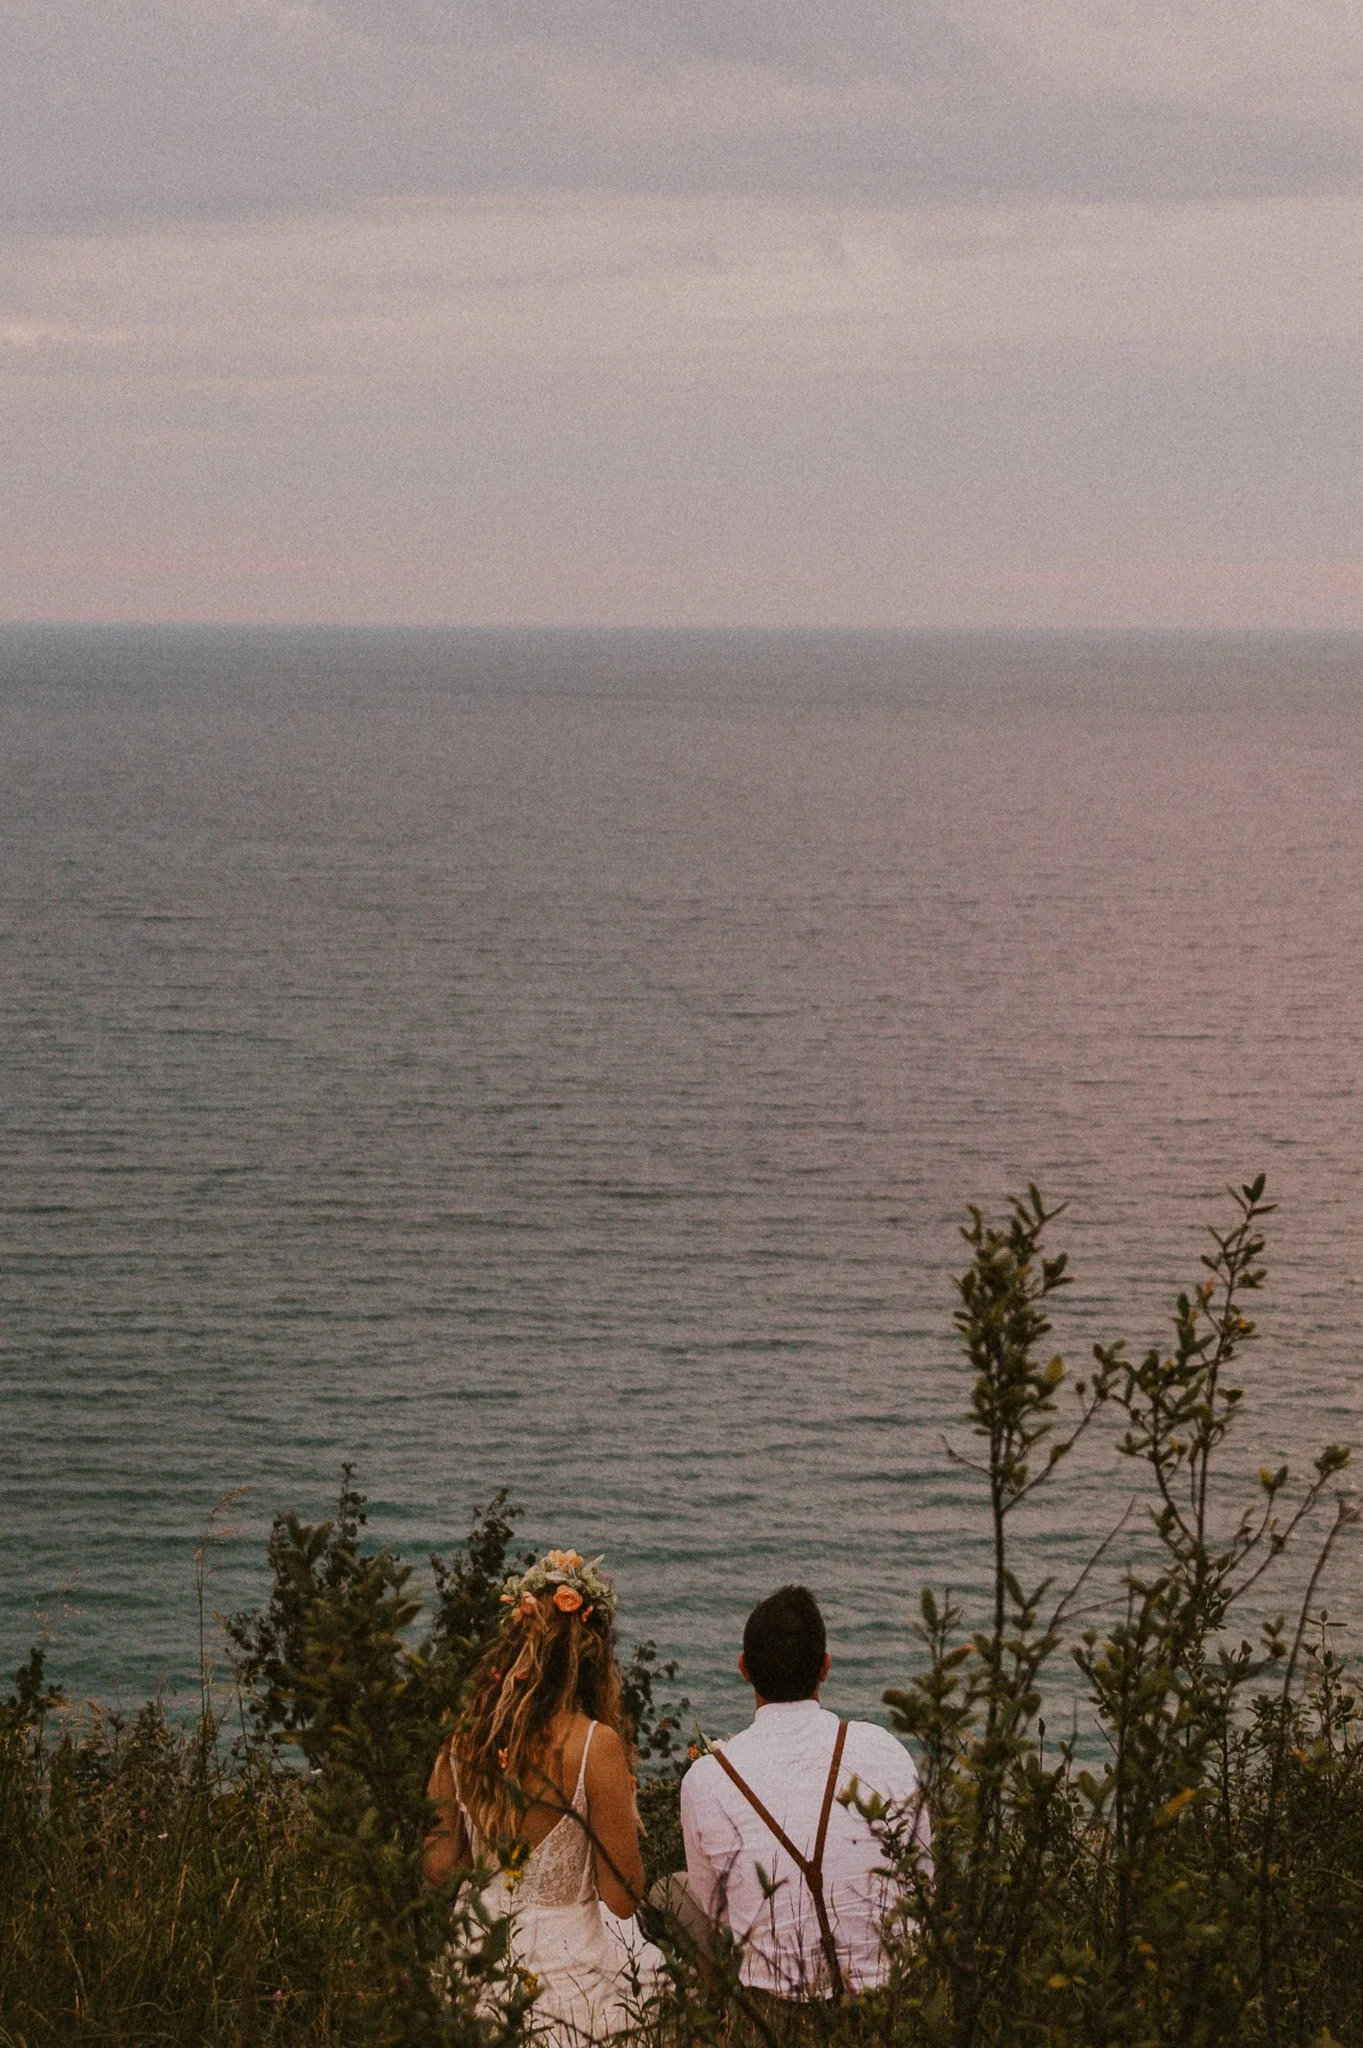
(809, 1867)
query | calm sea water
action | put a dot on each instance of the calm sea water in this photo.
(561, 1062)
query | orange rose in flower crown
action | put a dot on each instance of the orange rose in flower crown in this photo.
(576, 1585)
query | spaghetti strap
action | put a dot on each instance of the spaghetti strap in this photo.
(582, 1767)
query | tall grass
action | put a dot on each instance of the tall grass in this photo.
(148, 1894)
(1196, 1878)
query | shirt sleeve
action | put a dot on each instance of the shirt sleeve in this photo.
(894, 1769)
(707, 1880)
(893, 1775)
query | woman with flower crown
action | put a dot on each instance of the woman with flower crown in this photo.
(537, 1779)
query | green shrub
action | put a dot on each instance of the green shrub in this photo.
(1161, 1896)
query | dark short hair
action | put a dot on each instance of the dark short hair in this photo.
(784, 1644)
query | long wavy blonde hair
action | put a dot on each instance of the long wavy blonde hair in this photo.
(544, 1663)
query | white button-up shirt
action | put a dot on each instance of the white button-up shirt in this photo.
(785, 1757)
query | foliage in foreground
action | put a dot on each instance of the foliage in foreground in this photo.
(1201, 1884)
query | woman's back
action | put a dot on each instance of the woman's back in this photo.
(560, 1868)
(555, 1779)
(556, 1824)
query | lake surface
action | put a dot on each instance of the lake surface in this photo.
(562, 1061)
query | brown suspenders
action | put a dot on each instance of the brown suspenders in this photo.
(809, 1867)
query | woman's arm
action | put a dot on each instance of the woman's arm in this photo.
(446, 1848)
(615, 1829)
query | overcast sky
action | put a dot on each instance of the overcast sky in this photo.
(1002, 312)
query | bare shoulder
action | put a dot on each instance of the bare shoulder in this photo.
(608, 1752)
(441, 1785)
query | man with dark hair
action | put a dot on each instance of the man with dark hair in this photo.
(771, 1852)
(785, 1647)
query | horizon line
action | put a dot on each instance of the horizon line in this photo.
(672, 628)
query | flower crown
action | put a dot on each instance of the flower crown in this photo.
(578, 1587)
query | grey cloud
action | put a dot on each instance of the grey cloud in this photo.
(121, 110)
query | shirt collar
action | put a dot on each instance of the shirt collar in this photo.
(786, 1714)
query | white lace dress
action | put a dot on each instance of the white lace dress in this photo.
(594, 1971)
